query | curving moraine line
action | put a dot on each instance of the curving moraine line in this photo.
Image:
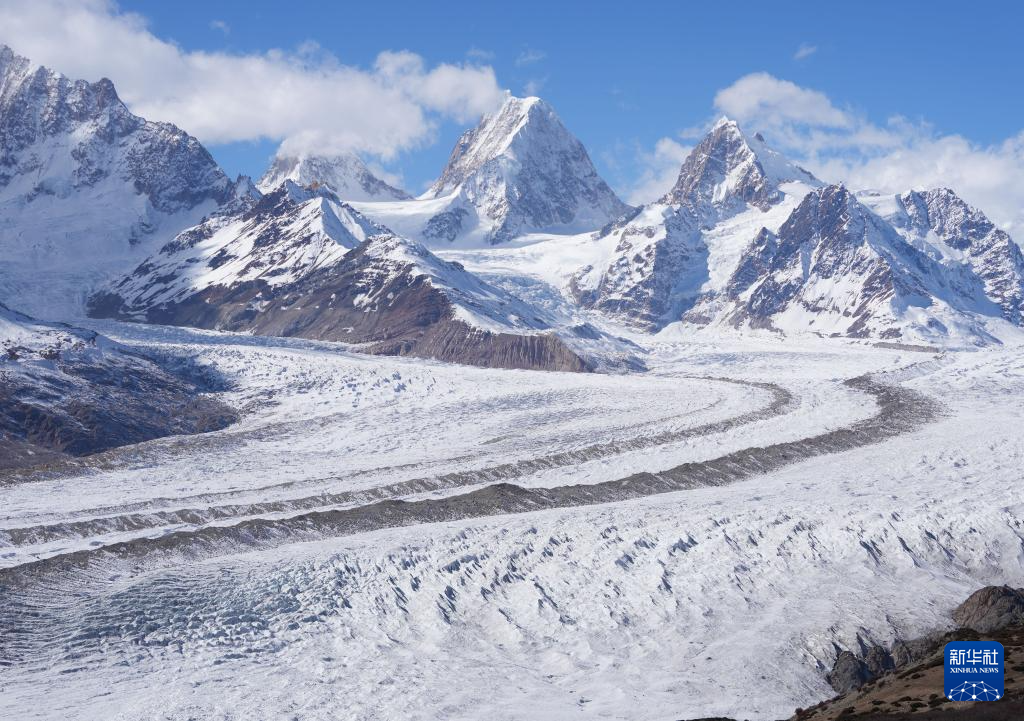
(900, 410)
(780, 402)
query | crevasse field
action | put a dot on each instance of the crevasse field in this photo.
(398, 538)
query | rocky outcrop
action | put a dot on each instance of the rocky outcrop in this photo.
(67, 391)
(992, 608)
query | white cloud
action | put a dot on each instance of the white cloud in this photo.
(661, 169)
(840, 145)
(220, 25)
(307, 98)
(805, 51)
(529, 57)
(773, 101)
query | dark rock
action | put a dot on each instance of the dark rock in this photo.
(991, 608)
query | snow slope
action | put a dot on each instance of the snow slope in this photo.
(656, 264)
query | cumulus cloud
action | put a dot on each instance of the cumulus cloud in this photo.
(660, 171)
(773, 101)
(839, 144)
(306, 97)
(805, 51)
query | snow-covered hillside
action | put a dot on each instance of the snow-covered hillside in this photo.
(519, 171)
(941, 224)
(299, 262)
(86, 187)
(346, 174)
(836, 268)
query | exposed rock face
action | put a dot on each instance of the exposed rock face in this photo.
(959, 234)
(519, 171)
(849, 673)
(991, 609)
(389, 294)
(729, 171)
(83, 180)
(346, 175)
(659, 264)
(273, 240)
(837, 266)
(69, 391)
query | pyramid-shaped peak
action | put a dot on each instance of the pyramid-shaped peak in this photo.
(525, 125)
(729, 170)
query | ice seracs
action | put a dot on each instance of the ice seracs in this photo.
(519, 171)
(346, 174)
(85, 183)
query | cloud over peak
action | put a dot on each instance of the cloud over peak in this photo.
(306, 97)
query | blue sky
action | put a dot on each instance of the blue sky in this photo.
(622, 75)
(632, 80)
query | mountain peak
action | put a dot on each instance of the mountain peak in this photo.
(728, 170)
(346, 174)
(520, 170)
(494, 136)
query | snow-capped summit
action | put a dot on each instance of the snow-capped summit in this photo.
(345, 174)
(262, 241)
(84, 183)
(520, 170)
(657, 263)
(729, 170)
(944, 225)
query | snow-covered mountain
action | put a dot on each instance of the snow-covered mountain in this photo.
(519, 171)
(729, 171)
(271, 240)
(943, 225)
(299, 262)
(345, 174)
(653, 265)
(68, 391)
(84, 184)
(836, 268)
